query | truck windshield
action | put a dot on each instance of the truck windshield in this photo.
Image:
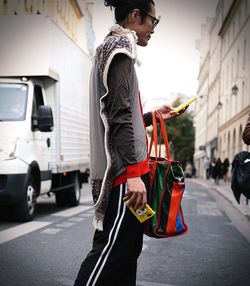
(13, 99)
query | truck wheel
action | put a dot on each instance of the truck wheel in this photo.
(70, 197)
(74, 195)
(61, 198)
(26, 209)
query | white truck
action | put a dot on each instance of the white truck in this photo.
(44, 125)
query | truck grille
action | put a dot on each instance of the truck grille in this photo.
(3, 181)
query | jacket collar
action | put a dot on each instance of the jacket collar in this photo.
(131, 35)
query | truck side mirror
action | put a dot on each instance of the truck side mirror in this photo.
(45, 118)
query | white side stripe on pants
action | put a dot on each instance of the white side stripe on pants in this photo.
(110, 244)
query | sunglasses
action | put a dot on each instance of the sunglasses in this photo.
(155, 21)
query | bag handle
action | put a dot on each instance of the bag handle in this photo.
(154, 138)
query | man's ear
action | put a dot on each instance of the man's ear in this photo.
(136, 16)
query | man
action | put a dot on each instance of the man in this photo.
(119, 159)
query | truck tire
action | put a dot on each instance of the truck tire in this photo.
(61, 198)
(26, 209)
(70, 197)
(75, 193)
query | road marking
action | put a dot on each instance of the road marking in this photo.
(63, 281)
(51, 230)
(72, 211)
(76, 219)
(88, 214)
(20, 230)
(144, 283)
(28, 227)
(65, 224)
(194, 195)
(208, 208)
(144, 247)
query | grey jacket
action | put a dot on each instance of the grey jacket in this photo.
(117, 131)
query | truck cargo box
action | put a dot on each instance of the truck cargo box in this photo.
(35, 46)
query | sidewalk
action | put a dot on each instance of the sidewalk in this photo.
(224, 189)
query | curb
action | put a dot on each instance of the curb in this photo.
(228, 197)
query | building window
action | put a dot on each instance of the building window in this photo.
(59, 6)
(40, 7)
(5, 7)
(233, 29)
(234, 144)
(240, 139)
(227, 109)
(235, 104)
(1, 7)
(238, 62)
(244, 54)
(223, 46)
(239, 19)
(246, 8)
(228, 147)
(232, 70)
(227, 79)
(220, 145)
(244, 103)
(223, 84)
(64, 4)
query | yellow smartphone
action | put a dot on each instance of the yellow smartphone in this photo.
(141, 214)
(185, 104)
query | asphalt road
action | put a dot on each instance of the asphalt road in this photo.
(49, 250)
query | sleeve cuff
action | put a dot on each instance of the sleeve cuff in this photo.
(133, 171)
(137, 170)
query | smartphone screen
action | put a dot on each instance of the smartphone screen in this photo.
(185, 104)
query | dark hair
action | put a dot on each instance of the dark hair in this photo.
(124, 7)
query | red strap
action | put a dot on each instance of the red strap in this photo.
(154, 138)
(139, 96)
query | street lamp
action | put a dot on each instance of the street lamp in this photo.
(219, 105)
(235, 90)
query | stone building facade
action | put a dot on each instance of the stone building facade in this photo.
(224, 83)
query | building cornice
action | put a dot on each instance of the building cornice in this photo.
(244, 112)
(204, 64)
(215, 80)
(76, 8)
(228, 17)
(203, 72)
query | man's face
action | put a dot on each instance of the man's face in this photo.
(145, 28)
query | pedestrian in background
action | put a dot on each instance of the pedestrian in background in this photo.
(218, 171)
(119, 160)
(246, 132)
(226, 165)
(207, 167)
(188, 170)
(193, 171)
(213, 164)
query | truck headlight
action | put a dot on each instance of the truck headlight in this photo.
(8, 149)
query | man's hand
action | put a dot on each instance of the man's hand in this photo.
(168, 111)
(137, 193)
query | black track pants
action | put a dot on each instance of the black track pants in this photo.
(113, 258)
